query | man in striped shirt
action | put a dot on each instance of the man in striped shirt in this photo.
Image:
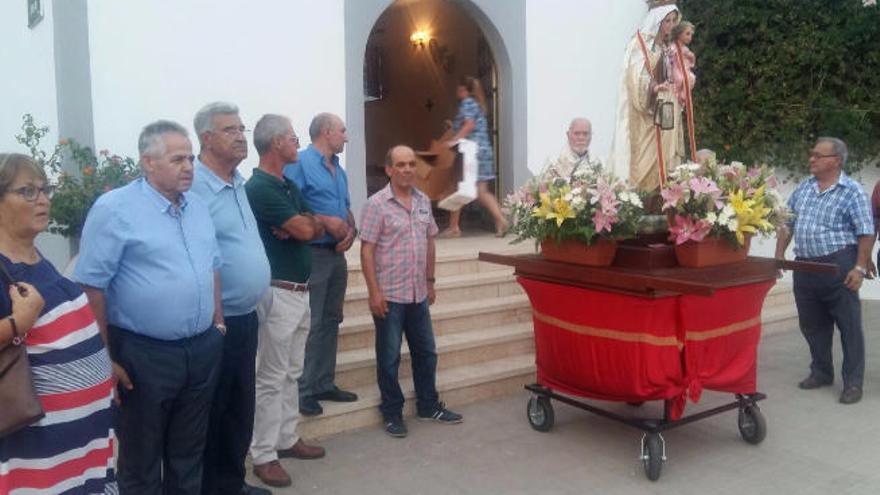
(832, 224)
(397, 259)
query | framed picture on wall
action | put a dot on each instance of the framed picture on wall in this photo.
(374, 87)
(35, 12)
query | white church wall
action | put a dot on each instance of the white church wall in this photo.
(575, 54)
(155, 59)
(28, 86)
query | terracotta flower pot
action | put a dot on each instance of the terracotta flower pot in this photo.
(710, 251)
(600, 253)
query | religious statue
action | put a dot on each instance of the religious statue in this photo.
(648, 138)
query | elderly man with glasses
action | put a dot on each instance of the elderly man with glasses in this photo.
(832, 224)
(244, 276)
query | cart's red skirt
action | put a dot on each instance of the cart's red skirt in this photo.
(621, 347)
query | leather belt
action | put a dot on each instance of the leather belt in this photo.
(292, 286)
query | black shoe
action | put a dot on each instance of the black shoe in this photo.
(337, 395)
(851, 394)
(442, 415)
(310, 407)
(253, 490)
(395, 427)
(815, 381)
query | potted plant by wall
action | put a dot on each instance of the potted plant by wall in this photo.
(714, 210)
(79, 177)
(575, 219)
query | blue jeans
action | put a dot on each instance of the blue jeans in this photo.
(413, 320)
(823, 301)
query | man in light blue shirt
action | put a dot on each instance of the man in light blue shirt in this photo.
(244, 276)
(324, 186)
(832, 224)
(148, 264)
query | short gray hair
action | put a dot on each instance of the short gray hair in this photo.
(837, 146)
(204, 118)
(150, 141)
(321, 121)
(268, 127)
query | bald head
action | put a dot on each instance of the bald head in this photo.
(400, 166)
(580, 133)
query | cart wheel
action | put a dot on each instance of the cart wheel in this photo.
(540, 413)
(752, 426)
(653, 455)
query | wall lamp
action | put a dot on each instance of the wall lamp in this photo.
(419, 39)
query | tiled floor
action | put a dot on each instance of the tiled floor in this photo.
(814, 445)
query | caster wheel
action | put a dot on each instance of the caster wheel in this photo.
(653, 455)
(752, 425)
(540, 413)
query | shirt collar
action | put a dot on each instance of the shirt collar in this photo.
(215, 183)
(161, 202)
(387, 194)
(843, 181)
(334, 158)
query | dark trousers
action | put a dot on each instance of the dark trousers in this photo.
(232, 413)
(164, 418)
(823, 301)
(414, 321)
(327, 284)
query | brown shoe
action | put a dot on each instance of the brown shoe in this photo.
(272, 474)
(302, 450)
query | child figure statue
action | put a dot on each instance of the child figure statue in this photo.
(683, 77)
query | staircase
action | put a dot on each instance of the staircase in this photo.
(483, 331)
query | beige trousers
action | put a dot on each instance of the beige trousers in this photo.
(284, 327)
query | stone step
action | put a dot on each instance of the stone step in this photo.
(444, 266)
(357, 368)
(357, 332)
(457, 386)
(449, 289)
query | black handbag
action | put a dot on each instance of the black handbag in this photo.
(21, 407)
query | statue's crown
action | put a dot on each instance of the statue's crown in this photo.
(659, 3)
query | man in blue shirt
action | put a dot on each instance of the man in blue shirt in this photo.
(832, 224)
(148, 264)
(244, 276)
(324, 186)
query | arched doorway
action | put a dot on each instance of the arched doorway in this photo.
(417, 52)
(496, 29)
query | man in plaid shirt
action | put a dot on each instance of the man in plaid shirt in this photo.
(832, 224)
(397, 259)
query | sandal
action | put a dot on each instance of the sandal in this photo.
(449, 234)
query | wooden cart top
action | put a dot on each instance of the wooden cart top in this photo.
(658, 282)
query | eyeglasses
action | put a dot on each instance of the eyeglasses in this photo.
(233, 131)
(819, 155)
(30, 193)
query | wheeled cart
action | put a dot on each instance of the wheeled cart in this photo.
(637, 334)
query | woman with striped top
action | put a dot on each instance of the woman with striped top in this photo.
(70, 450)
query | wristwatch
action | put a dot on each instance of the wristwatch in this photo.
(861, 270)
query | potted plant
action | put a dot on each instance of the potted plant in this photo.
(713, 210)
(577, 219)
(79, 177)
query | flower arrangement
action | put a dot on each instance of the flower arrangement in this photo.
(591, 203)
(78, 174)
(727, 201)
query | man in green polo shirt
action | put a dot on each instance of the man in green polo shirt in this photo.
(286, 224)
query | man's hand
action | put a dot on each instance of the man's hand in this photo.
(345, 243)
(378, 304)
(853, 279)
(120, 377)
(280, 234)
(432, 294)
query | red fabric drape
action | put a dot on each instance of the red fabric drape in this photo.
(620, 347)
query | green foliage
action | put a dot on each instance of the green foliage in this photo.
(78, 174)
(773, 75)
